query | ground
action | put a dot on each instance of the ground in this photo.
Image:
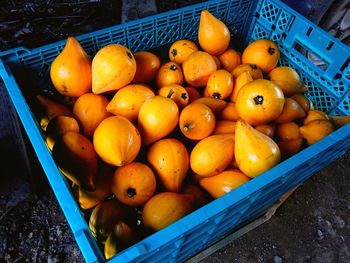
(313, 225)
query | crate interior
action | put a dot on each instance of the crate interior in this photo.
(271, 20)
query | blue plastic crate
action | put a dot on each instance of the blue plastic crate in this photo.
(247, 20)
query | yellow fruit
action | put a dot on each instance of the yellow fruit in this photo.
(259, 101)
(240, 81)
(198, 67)
(113, 67)
(157, 118)
(288, 80)
(253, 70)
(128, 100)
(175, 92)
(212, 155)
(255, 152)
(180, 50)
(71, 70)
(316, 130)
(262, 52)
(168, 74)
(213, 35)
(165, 208)
(315, 115)
(117, 141)
(220, 84)
(90, 110)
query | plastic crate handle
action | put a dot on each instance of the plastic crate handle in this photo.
(320, 43)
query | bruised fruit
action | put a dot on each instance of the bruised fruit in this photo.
(75, 156)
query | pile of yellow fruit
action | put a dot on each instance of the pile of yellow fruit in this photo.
(166, 138)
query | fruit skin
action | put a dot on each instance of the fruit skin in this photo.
(70, 72)
(200, 197)
(177, 93)
(220, 84)
(288, 80)
(169, 159)
(213, 35)
(128, 100)
(290, 147)
(113, 67)
(193, 94)
(180, 50)
(165, 208)
(267, 129)
(75, 156)
(291, 111)
(240, 81)
(224, 182)
(260, 101)
(255, 152)
(253, 70)
(229, 113)
(197, 121)
(105, 216)
(117, 141)
(217, 62)
(169, 73)
(287, 131)
(215, 105)
(133, 184)
(90, 110)
(316, 130)
(225, 127)
(339, 121)
(58, 126)
(88, 199)
(230, 59)
(198, 67)
(157, 118)
(212, 155)
(303, 101)
(50, 109)
(315, 115)
(147, 66)
(262, 52)
(119, 239)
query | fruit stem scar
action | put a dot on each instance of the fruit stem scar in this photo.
(131, 192)
(216, 95)
(129, 54)
(174, 52)
(183, 96)
(187, 127)
(173, 67)
(171, 92)
(259, 100)
(253, 66)
(271, 50)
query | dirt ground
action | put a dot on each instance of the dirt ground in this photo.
(313, 225)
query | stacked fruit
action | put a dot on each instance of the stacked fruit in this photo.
(141, 147)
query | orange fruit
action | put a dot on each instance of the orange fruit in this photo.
(253, 70)
(303, 101)
(315, 115)
(262, 52)
(287, 131)
(267, 129)
(180, 50)
(215, 105)
(147, 65)
(128, 100)
(316, 130)
(240, 81)
(225, 127)
(90, 110)
(117, 141)
(291, 111)
(220, 84)
(113, 67)
(288, 80)
(230, 59)
(133, 184)
(229, 113)
(193, 94)
(290, 147)
(217, 61)
(157, 118)
(175, 92)
(260, 101)
(198, 67)
(197, 121)
(169, 73)
(213, 35)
